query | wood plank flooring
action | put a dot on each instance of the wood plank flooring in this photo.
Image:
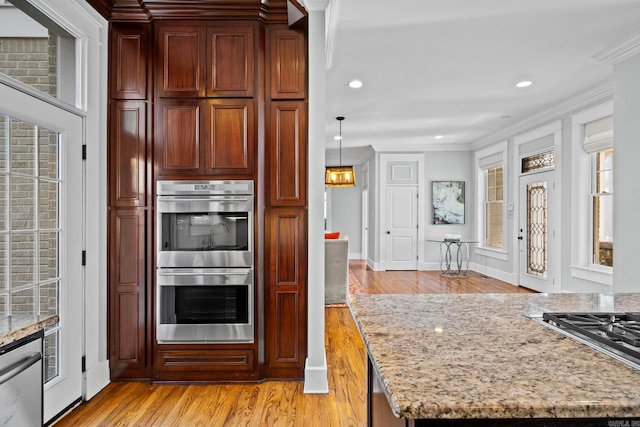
(274, 404)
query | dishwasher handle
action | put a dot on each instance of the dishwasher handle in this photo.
(19, 367)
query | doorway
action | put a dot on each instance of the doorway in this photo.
(538, 239)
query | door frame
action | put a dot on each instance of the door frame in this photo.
(384, 159)
(525, 145)
(552, 282)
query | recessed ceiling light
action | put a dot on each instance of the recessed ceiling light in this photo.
(438, 136)
(355, 84)
(337, 137)
(524, 83)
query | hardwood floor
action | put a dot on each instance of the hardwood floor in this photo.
(274, 404)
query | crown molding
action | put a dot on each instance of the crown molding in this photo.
(621, 50)
(598, 94)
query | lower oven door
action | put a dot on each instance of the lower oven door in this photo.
(213, 305)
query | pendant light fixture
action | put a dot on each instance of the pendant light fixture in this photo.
(340, 176)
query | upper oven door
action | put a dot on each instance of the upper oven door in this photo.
(204, 231)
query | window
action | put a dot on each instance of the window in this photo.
(491, 225)
(598, 143)
(38, 54)
(493, 208)
(592, 194)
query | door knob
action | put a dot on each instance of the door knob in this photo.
(519, 237)
(388, 232)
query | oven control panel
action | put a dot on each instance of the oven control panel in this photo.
(192, 188)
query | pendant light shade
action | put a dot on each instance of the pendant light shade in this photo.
(340, 176)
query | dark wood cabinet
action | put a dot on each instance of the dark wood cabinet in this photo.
(216, 60)
(230, 60)
(288, 65)
(207, 90)
(286, 293)
(128, 62)
(204, 362)
(178, 136)
(128, 153)
(287, 148)
(127, 297)
(180, 60)
(230, 137)
(204, 137)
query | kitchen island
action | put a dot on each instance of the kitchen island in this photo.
(477, 360)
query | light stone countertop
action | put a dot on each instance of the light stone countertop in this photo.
(477, 356)
(14, 328)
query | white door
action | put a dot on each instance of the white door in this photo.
(538, 236)
(42, 168)
(401, 228)
(365, 224)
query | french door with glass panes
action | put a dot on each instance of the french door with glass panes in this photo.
(41, 232)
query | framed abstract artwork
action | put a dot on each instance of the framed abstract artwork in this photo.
(448, 202)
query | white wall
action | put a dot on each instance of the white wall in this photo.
(626, 176)
(346, 213)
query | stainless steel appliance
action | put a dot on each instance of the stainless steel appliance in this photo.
(204, 261)
(21, 382)
(614, 334)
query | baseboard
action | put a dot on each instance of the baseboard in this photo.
(316, 380)
(95, 379)
(496, 274)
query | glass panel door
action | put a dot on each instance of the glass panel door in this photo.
(41, 219)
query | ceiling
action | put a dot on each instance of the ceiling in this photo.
(449, 67)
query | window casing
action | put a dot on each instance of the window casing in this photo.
(592, 195)
(491, 194)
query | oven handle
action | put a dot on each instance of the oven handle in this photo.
(187, 272)
(202, 199)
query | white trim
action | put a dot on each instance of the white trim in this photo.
(95, 379)
(581, 263)
(584, 100)
(491, 252)
(315, 378)
(501, 149)
(511, 278)
(592, 274)
(621, 50)
(554, 128)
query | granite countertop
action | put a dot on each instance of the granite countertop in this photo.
(478, 356)
(13, 328)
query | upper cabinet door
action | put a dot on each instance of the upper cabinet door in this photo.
(128, 62)
(230, 61)
(288, 66)
(180, 60)
(178, 136)
(230, 137)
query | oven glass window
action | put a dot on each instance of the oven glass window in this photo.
(211, 304)
(207, 231)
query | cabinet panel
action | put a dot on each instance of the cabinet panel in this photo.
(127, 293)
(287, 150)
(127, 153)
(180, 61)
(203, 362)
(230, 61)
(178, 137)
(288, 66)
(128, 63)
(230, 137)
(286, 289)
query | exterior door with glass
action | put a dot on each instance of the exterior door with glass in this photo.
(41, 232)
(538, 236)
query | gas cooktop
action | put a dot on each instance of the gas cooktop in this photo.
(615, 334)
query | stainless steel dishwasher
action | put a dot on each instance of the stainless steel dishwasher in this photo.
(21, 382)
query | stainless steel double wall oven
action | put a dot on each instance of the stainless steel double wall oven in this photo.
(204, 261)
